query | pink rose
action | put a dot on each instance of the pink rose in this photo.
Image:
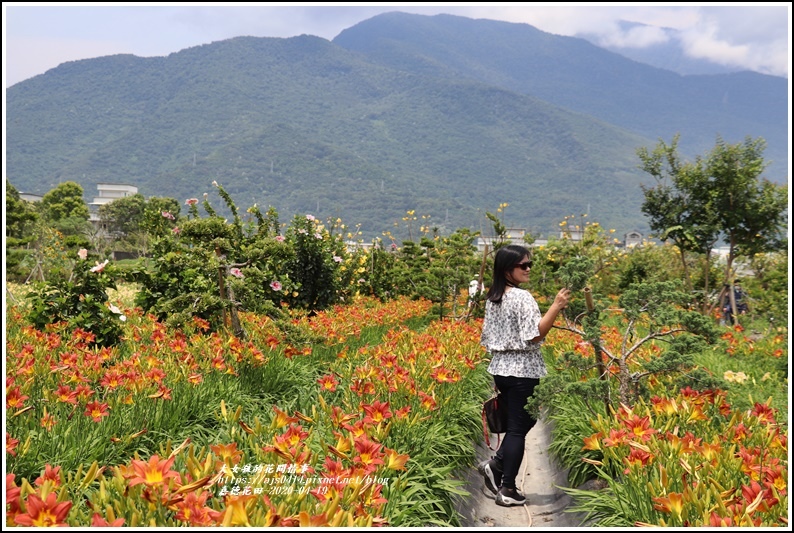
(275, 285)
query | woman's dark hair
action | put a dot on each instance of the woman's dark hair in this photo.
(506, 258)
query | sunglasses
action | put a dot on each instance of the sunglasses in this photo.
(526, 265)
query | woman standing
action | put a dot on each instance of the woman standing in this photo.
(512, 333)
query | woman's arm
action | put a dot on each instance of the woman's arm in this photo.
(560, 303)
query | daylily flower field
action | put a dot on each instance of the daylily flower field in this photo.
(187, 428)
(356, 416)
(693, 458)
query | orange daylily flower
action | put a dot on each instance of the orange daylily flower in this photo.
(593, 442)
(15, 399)
(761, 498)
(12, 497)
(328, 383)
(193, 510)
(112, 379)
(50, 474)
(637, 457)
(716, 520)
(402, 412)
(368, 452)
(640, 427)
(666, 406)
(376, 412)
(358, 429)
(83, 392)
(282, 419)
(765, 414)
(444, 375)
(672, 503)
(228, 453)
(690, 443)
(395, 460)
(616, 438)
(428, 402)
(153, 472)
(96, 411)
(66, 395)
(339, 418)
(317, 520)
(44, 513)
(236, 513)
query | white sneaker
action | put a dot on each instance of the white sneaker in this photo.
(509, 497)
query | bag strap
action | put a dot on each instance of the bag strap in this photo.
(487, 433)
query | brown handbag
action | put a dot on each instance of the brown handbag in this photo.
(494, 416)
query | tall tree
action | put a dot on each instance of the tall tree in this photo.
(719, 196)
(64, 201)
(20, 217)
(676, 211)
(124, 215)
(750, 209)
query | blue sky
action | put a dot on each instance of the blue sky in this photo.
(39, 37)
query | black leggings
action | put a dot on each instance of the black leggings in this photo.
(515, 391)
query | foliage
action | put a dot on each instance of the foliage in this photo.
(676, 211)
(81, 302)
(64, 201)
(718, 196)
(437, 269)
(768, 288)
(19, 218)
(123, 215)
(313, 267)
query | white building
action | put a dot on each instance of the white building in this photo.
(632, 239)
(107, 192)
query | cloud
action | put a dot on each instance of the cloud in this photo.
(751, 37)
(740, 37)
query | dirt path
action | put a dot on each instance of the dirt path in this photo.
(538, 479)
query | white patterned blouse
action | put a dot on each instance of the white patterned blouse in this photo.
(507, 331)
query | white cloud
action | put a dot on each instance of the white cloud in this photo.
(742, 37)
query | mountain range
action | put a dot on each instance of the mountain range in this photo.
(444, 116)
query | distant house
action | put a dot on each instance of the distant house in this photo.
(106, 193)
(632, 239)
(353, 246)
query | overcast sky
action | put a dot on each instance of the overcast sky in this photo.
(39, 37)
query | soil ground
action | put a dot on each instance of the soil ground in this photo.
(538, 479)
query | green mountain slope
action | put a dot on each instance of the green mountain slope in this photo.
(574, 74)
(309, 127)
